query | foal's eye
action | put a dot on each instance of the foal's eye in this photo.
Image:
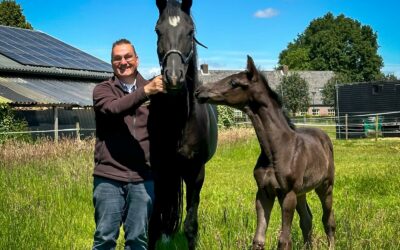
(233, 83)
(191, 33)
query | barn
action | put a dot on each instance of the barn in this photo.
(48, 82)
(368, 108)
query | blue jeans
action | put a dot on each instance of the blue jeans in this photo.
(116, 203)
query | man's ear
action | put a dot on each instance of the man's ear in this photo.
(252, 72)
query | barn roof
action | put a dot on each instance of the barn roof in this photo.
(33, 91)
(38, 69)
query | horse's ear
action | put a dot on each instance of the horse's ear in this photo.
(186, 5)
(161, 4)
(252, 72)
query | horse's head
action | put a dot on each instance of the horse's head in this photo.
(175, 44)
(236, 90)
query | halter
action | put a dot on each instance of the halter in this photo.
(185, 59)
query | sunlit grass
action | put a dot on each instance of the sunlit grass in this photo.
(46, 196)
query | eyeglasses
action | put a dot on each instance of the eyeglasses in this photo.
(128, 58)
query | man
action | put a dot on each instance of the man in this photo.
(123, 187)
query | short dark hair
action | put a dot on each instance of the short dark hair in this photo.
(122, 41)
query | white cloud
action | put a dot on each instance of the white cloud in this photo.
(149, 72)
(266, 13)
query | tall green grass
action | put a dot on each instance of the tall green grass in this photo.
(46, 196)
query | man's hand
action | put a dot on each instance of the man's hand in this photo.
(155, 86)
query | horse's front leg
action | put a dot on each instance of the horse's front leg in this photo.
(194, 178)
(288, 205)
(264, 205)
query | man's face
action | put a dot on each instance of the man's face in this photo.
(124, 60)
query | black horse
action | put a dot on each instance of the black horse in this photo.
(182, 132)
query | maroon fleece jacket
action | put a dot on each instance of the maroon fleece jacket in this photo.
(122, 146)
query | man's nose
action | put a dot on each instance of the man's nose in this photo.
(123, 61)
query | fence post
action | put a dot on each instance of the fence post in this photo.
(78, 131)
(55, 109)
(346, 126)
(376, 127)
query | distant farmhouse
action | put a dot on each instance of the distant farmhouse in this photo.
(47, 81)
(315, 79)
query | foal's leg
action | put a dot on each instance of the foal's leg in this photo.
(305, 219)
(194, 178)
(264, 205)
(325, 195)
(288, 205)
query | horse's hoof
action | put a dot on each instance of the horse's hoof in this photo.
(258, 245)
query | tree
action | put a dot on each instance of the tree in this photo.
(329, 90)
(294, 92)
(339, 44)
(11, 15)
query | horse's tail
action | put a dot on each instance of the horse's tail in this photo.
(169, 202)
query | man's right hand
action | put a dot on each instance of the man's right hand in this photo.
(155, 86)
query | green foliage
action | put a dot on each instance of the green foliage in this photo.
(8, 123)
(225, 116)
(11, 15)
(294, 92)
(338, 44)
(46, 197)
(329, 90)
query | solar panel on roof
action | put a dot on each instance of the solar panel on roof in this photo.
(35, 48)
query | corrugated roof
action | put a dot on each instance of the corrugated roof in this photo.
(45, 91)
(9, 66)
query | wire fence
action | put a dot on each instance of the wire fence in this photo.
(352, 125)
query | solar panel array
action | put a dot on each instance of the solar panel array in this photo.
(35, 48)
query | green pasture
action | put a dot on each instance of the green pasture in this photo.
(46, 196)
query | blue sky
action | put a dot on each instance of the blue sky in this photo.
(230, 28)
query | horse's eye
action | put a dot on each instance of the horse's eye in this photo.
(158, 32)
(191, 33)
(233, 83)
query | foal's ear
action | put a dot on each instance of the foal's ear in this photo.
(186, 5)
(252, 72)
(161, 4)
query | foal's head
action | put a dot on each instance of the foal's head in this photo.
(238, 90)
(175, 44)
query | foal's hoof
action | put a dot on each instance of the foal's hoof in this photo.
(258, 245)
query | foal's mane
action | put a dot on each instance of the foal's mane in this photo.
(274, 96)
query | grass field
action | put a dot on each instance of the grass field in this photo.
(46, 196)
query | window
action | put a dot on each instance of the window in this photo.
(331, 112)
(315, 111)
(377, 89)
(238, 114)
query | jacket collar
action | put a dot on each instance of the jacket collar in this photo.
(140, 81)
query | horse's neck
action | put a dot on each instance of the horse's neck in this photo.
(192, 82)
(271, 128)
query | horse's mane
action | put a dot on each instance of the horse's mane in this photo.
(273, 95)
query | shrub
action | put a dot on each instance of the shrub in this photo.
(9, 124)
(225, 116)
